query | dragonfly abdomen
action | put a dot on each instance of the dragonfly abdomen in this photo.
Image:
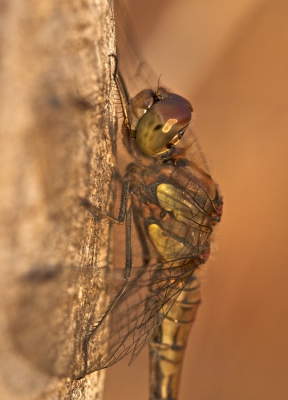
(169, 342)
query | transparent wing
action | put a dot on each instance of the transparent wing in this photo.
(133, 320)
(137, 73)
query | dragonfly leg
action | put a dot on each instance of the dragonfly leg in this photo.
(122, 90)
(142, 239)
(169, 342)
(96, 212)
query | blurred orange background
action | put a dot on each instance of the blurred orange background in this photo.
(230, 59)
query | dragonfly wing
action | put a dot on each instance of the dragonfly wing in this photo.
(137, 73)
(131, 323)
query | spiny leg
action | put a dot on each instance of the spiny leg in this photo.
(122, 90)
(96, 212)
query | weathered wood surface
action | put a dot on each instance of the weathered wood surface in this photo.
(56, 119)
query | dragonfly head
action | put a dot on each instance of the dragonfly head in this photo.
(162, 120)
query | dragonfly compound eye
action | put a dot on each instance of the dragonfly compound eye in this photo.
(163, 125)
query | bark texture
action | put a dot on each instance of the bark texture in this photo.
(55, 141)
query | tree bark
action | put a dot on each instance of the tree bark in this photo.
(55, 140)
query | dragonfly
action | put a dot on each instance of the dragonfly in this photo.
(169, 206)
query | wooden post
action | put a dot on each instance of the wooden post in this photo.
(55, 142)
